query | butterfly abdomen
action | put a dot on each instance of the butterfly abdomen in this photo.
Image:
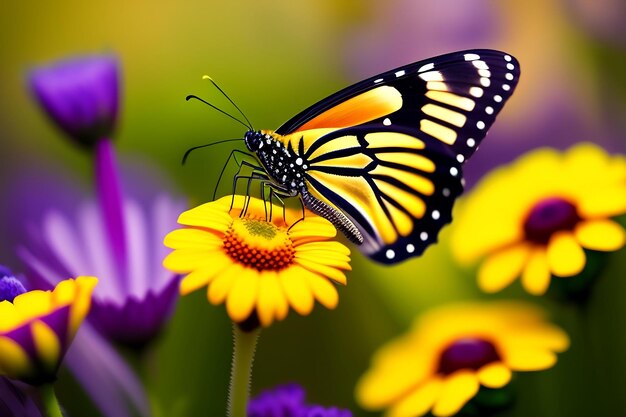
(341, 222)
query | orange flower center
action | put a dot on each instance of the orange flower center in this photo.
(259, 244)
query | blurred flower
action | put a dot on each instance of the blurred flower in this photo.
(80, 95)
(603, 19)
(289, 401)
(440, 364)
(258, 267)
(534, 217)
(37, 327)
(14, 402)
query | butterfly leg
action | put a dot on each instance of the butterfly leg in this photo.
(232, 156)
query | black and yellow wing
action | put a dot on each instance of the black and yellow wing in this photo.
(388, 151)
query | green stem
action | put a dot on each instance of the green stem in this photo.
(50, 403)
(241, 371)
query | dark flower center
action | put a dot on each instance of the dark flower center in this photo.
(548, 217)
(10, 287)
(467, 353)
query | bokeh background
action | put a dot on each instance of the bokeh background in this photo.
(274, 58)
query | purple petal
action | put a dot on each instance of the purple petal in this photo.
(80, 95)
(106, 377)
(138, 256)
(14, 401)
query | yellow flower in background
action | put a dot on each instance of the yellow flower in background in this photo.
(534, 217)
(37, 327)
(440, 364)
(254, 265)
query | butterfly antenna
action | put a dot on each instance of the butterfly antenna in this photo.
(206, 77)
(190, 150)
(189, 97)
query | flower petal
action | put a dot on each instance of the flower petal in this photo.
(457, 390)
(419, 401)
(323, 290)
(603, 202)
(565, 256)
(219, 288)
(14, 361)
(47, 344)
(206, 216)
(501, 268)
(601, 235)
(494, 375)
(536, 275)
(297, 289)
(243, 295)
(192, 239)
(272, 302)
(526, 359)
(203, 275)
(328, 271)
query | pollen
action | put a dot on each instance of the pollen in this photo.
(259, 244)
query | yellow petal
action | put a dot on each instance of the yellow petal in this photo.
(323, 290)
(538, 336)
(47, 344)
(312, 227)
(565, 256)
(221, 285)
(14, 361)
(297, 289)
(33, 304)
(186, 260)
(203, 275)
(64, 293)
(527, 359)
(272, 301)
(601, 235)
(501, 268)
(81, 304)
(536, 275)
(324, 270)
(243, 295)
(208, 216)
(330, 261)
(603, 202)
(419, 401)
(10, 316)
(192, 239)
(494, 375)
(333, 247)
(457, 390)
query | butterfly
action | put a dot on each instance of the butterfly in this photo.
(382, 159)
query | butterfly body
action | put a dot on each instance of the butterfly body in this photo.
(383, 159)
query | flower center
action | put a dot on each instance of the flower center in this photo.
(259, 244)
(467, 353)
(548, 217)
(10, 287)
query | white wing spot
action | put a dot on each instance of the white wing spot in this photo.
(436, 215)
(410, 248)
(454, 171)
(299, 161)
(460, 158)
(400, 74)
(497, 98)
(507, 58)
(379, 80)
(424, 236)
(506, 87)
(509, 76)
(471, 57)
(480, 64)
(390, 254)
(484, 73)
(485, 82)
(471, 142)
(476, 92)
(446, 192)
(426, 67)
(480, 124)
(510, 67)
(489, 110)
(387, 122)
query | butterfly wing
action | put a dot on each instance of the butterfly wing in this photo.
(390, 149)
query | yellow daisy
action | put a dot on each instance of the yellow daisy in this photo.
(258, 267)
(440, 364)
(534, 218)
(37, 327)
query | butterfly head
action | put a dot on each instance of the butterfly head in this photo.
(255, 139)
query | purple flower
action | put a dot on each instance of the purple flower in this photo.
(80, 95)
(14, 401)
(289, 401)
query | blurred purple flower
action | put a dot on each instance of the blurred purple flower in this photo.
(80, 95)
(15, 402)
(289, 401)
(602, 19)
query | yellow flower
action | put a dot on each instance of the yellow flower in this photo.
(440, 364)
(254, 265)
(533, 218)
(37, 328)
